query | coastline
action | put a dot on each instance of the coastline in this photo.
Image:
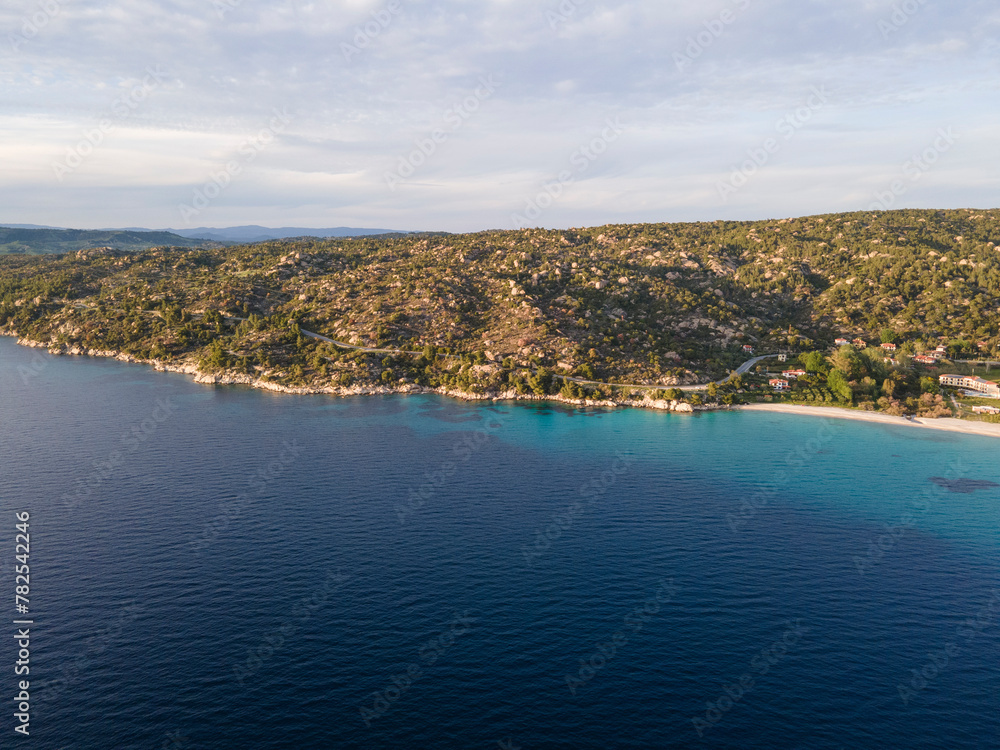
(950, 424)
(238, 378)
(981, 429)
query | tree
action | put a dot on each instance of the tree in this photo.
(838, 384)
(929, 385)
(957, 347)
(813, 361)
(540, 382)
(888, 387)
(571, 390)
(849, 362)
(888, 336)
(216, 358)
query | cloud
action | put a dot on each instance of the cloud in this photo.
(695, 83)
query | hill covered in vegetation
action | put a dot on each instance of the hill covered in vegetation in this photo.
(25, 241)
(658, 304)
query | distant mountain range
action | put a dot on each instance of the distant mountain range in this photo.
(254, 233)
(34, 239)
(42, 240)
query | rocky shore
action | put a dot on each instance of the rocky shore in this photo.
(239, 378)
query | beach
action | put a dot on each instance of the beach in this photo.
(948, 424)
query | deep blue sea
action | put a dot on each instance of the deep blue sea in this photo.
(216, 567)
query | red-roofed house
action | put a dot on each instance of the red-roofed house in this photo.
(779, 384)
(794, 374)
(889, 347)
(842, 342)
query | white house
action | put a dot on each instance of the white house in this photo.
(976, 384)
(985, 410)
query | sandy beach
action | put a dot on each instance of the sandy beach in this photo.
(950, 425)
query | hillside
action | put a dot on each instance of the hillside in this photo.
(36, 241)
(255, 233)
(664, 304)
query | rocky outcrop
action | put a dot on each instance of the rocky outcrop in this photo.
(238, 378)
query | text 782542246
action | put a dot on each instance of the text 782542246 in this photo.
(22, 591)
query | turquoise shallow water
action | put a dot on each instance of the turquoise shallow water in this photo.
(225, 568)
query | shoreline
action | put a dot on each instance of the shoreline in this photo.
(238, 378)
(982, 429)
(947, 424)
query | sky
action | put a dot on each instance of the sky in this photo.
(466, 115)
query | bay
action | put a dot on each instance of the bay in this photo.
(216, 567)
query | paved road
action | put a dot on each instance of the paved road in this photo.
(750, 363)
(344, 345)
(739, 370)
(641, 386)
(976, 362)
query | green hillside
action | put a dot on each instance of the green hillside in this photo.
(657, 304)
(40, 241)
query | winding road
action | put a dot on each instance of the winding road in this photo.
(369, 350)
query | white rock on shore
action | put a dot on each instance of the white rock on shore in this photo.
(231, 378)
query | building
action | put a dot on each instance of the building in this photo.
(748, 349)
(889, 347)
(925, 360)
(860, 343)
(842, 342)
(782, 357)
(985, 410)
(794, 374)
(978, 385)
(779, 384)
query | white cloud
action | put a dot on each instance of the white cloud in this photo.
(751, 61)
